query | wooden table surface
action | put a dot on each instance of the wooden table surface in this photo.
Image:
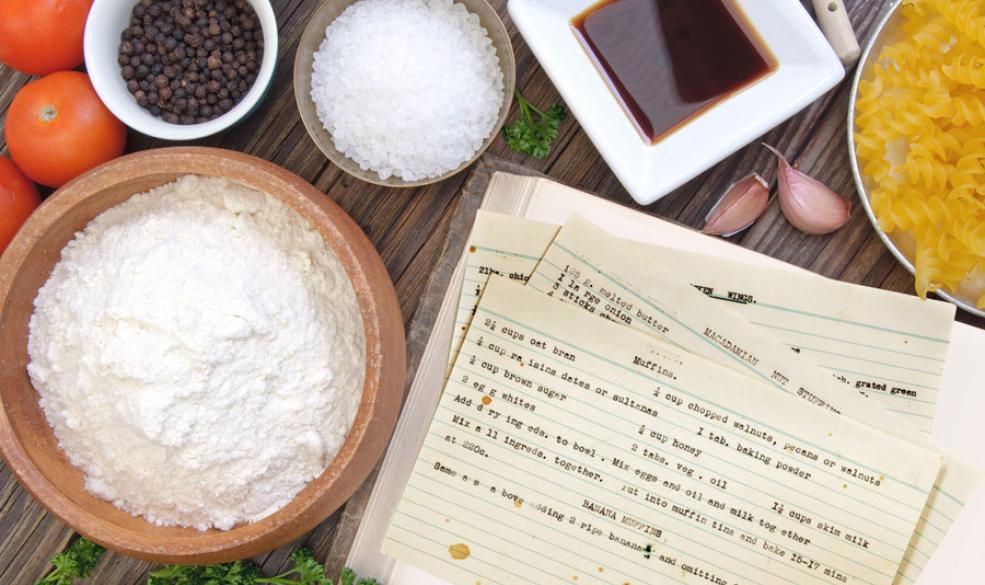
(408, 228)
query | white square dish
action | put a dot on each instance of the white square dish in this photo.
(806, 67)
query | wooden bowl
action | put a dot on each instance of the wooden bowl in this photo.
(314, 34)
(27, 441)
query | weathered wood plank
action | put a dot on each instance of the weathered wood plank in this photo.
(409, 227)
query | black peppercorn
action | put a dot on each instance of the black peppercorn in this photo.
(189, 61)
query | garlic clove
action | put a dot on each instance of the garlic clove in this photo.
(808, 204)
(741, 205)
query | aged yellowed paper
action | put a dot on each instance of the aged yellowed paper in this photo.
(889, 346)
(569, 449)
(673, 310)
(867, 311)
(498, 245)
(615, 279)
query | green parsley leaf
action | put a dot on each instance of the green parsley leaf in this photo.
(79, 559)
(309, 570)
(349, 578)
(533, 137)
(75, 562)
(237, 573)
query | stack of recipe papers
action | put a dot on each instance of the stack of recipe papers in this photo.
(623, 412)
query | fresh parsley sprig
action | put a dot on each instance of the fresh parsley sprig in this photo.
(533, 137)
(79, 559)
(75, 562)
(305, 570)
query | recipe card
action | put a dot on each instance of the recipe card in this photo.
(567, 449)
(614, 279)
(889, 346)
(585, 260)
(502, 245)
(957, 480)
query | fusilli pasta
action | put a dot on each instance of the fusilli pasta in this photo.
(920, 140)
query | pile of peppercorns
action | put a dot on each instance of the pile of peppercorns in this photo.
(191, 61)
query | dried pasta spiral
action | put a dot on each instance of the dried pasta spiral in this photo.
(920, 140)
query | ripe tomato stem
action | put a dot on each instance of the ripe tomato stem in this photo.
(48, 113)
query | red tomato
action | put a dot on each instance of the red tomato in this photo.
(57, 129)
(42, 36)
(18, 198)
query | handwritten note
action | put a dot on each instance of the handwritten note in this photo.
(569, 449)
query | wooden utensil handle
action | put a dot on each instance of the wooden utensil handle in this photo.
(833, 18)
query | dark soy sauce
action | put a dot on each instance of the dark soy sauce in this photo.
(669, 60)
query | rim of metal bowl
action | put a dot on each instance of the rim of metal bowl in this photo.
(857, 174)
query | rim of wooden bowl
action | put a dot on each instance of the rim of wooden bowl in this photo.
(311, 39)
(28, 443)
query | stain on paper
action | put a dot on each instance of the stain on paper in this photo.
(459, 551)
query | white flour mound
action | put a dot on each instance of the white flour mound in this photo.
(199, 354)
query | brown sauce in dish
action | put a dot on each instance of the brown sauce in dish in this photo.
(669, 60)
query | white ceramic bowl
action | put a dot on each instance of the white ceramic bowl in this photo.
(806, 68)
(107, 21)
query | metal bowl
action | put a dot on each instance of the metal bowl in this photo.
(900, 244)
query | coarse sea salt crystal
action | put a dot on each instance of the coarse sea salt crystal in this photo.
(407, 88)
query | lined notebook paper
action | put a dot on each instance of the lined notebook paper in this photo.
(853, 331)
(553, 204)
(570, 450)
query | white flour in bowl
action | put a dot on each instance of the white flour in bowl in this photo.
(199, 353)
